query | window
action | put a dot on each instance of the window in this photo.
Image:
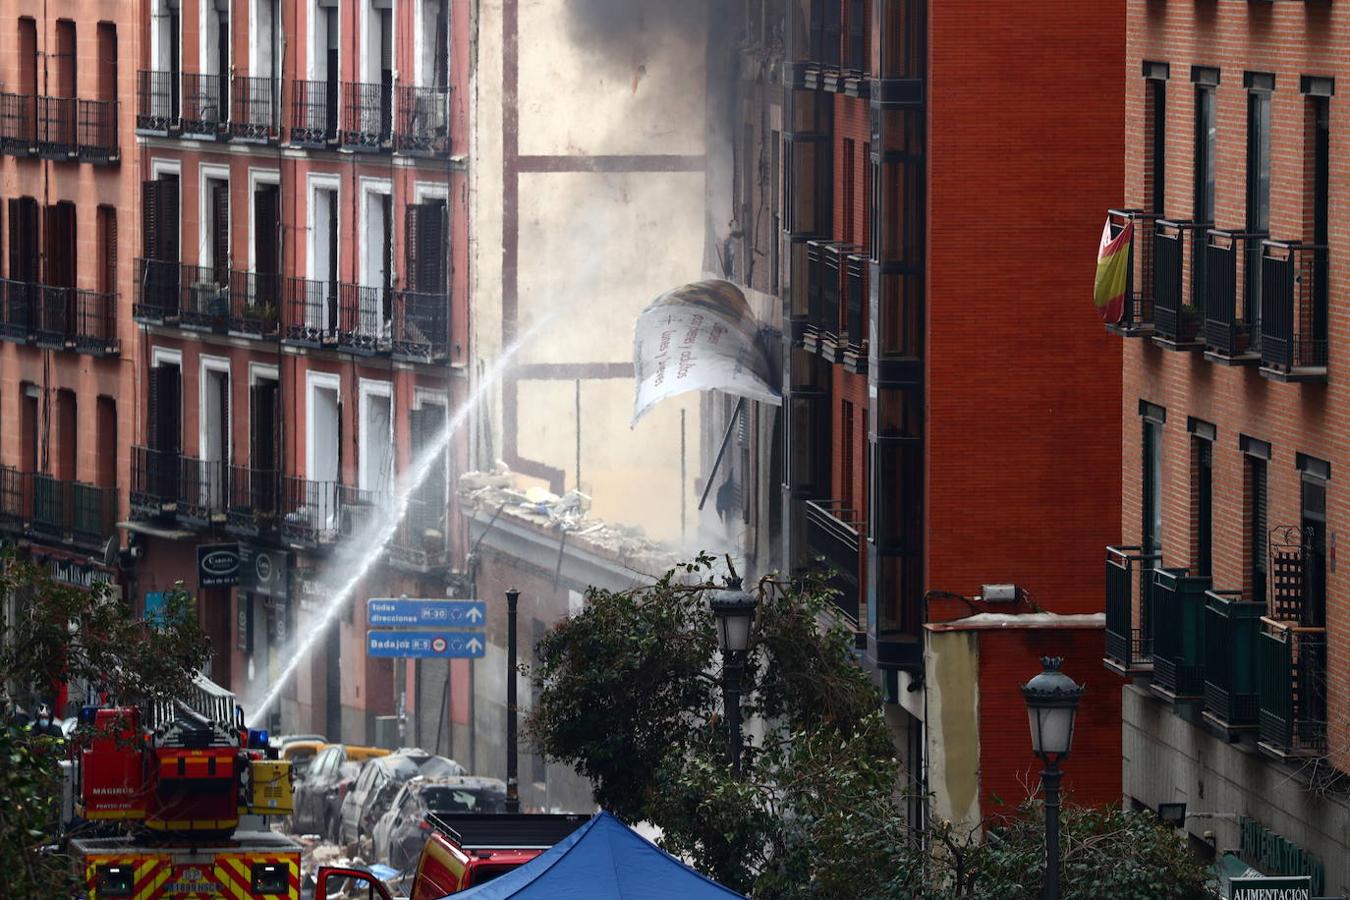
(847, 469)
(159, 218)
(216, 229)
(30, 448)
(1256, 453)
(107, 249)
(849, 187)
(425, 247)
(324, 439)
(1206, 143)
(1313, 519)
(65, 60)
(67, 431)
(776, 191)
(164, 413)
(376, 434)
(264, 436)
(23, 239)
(60, 245)
(1202, 497)
(106, 424)
(1151, 541)
(1155, 150)
(1319, 165)
(28, 57)
(1258, 184)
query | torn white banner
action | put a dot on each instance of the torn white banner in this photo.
(699, 337)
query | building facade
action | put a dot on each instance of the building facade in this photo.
(1225, 608)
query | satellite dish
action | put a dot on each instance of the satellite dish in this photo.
(110, 549)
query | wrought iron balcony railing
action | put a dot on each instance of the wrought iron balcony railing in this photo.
(367, 115)
(1294, 311)
(423, 125)
(52, 507)
(56, 132)
(16, 499)
(203, 492)
(1178, 634)
(1232, 334)
(421, 327)
(351, 317)
(16, 311)
(96, 323)
(158, 106)
(157, 290)
(59, 318)
(54, 316)
(420, 540)
(155, 482)
(72, 511)
(18, 124)
(1137, 316)
(833, 539)
(311, 312)
(206, 105)
(204, 301)
(95, 514)
(255, 113)
(1129, 589)
(1178, 282)
(319, 513)
(1293, 667)
(314, 113)
(255, 305)
(96, 131)
(254, 501)
(856, 300)
(1232, 686)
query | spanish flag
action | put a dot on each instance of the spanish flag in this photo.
(1113, 267)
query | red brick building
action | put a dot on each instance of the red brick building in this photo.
(1225, 607)
(949, 414)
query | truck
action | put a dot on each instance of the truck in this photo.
(176, 778)
(463, 850)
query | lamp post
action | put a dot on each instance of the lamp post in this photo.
(1052, 703)
(512, 779)
(735, 612)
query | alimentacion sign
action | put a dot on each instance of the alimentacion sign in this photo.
(1284, 888)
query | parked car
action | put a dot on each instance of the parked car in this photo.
(300, 754)
(400, 833)
(318, 799)
(377, 784)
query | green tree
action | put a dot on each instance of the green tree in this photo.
(55, 633)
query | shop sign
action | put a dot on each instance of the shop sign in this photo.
(244, 639)
(75, 573)
(218, 565)
(1296, 888)
(1269, 852)
(311, 590)
(262, 571)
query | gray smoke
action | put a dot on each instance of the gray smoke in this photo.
(617, 22)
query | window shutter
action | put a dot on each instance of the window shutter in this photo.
(152, 413)
(424, 247)
(150, 192)
(225, 454)
(265, 240)
(110, 250)
(28, 239)
(165, 408)
(14, 231)
(220, 249)
(412, 232)
(168, 219)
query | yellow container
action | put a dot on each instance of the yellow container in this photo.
(270, 783)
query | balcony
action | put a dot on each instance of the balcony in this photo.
(317, 514)
(1294, 311)
(419, 541)
(157, 102)
(155, 483)
(204, 302)
(367, 115)
(157, 289)
(1232, 336)
(18, 124)
(1232, 689)
(254, 501)
(833, 540)
(1129, 583)
(53, 314)
(206, 106)
(73, 512)
(16, 311)
(255, 305)
(16, 499)
(203, 492)
(1178, 281)
(423, 126)
(1293, 667)
(1178, 628)
(256, 109)
(96, 138)
(855, 313)
(1136, 319)
(421, 327)
(56, 131)
(336, 315)
(314, 114)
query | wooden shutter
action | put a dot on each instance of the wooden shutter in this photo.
(150, 193)
(425, 248)
(263, 426)
(108, 239)
(14, 230)
(28, 239)
(225, 454)
(165, 407)
(220, 235)
(60, 238)
(266, 253)
(412, 231)
(168, 219)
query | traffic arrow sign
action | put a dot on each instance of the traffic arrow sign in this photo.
(433, 613)
(424, 645)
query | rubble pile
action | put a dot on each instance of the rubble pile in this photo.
(498, 493)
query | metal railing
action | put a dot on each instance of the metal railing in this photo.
(51, 506)
(314, 113)
(1232, 688)
(56, 131)
(95, 321)
(204, 301)
(1177, 625)
(1230, 329)
(1293, 667)
(1293, 306)
(1178, 281)
(420, 540)
(157, 101)
(254, 500)
(206, 104)
(255, 304)
(54, 316)
(310, 513)
(16, 310)
(256, 102)
(1137, 314)
(18, 124)
(16, 498)
(421, 326)
(1129, 584)
(203, 491)
(311, 312)
(157, 283)
(423, 125)
(155, 481)
(833, 537)
(365, 318)
(856, 301)
(367, 114)
(96, 131)
(72, 511)
(94, 513)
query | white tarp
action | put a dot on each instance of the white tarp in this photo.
(700, 337)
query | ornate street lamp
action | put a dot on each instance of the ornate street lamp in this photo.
(734, 610)
(1052, 704)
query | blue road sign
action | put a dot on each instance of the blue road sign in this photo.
(425, 645)
(383, 612)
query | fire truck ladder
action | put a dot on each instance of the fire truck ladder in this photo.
(208, 715)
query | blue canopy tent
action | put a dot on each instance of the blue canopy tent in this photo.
(602, 860)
